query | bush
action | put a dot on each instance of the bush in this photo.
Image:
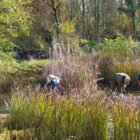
(119, 47)
(89, 46)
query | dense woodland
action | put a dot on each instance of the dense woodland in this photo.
(34, 24)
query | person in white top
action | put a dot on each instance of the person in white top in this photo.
(50, 81)
(119, 81)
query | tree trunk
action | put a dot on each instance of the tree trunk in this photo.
(130, 25)
(83, 19)
(133, 27)
(97, 19)
(55, 10)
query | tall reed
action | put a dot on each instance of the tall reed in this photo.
(59, 119)
(126, 123)
(83, 119)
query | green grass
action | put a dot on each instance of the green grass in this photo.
(17, 73)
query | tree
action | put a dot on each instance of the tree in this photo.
(97, 19)
(130, 10)
(15, 18)
(109, 18)
(55, 5)
(83, 19)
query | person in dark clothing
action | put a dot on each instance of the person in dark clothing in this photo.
(20, 54)
(119, 81)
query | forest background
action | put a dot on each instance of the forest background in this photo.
(33, 24)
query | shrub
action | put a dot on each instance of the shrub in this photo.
(119, 47)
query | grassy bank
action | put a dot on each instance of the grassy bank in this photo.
(14, 74)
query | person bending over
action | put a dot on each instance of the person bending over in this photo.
(138, 80)
(51, 81)
(119, 81)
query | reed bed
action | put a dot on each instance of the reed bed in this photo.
(64, 119)
(126, 123)
(78, 73)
